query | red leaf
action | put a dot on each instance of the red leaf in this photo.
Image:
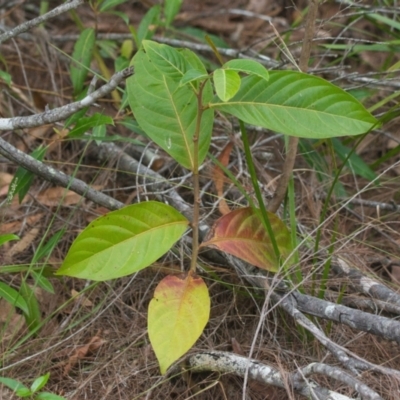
(242, 234)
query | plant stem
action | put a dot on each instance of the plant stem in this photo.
(196, 184)
(288, 165)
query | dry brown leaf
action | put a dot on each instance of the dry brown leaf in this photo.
(82, 352)
(82, 299)
(14, 227)
(10, 321)
(52, 197)
(22, 244)
(219, 178)
(5, 180)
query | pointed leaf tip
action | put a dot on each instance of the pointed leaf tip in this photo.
(124, 241)
(177, 316)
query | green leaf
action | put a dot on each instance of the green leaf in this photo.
(33, 316)
(298, 104)
(99, 132)
(82, 56)
(45, 250)
(7, 238)
(178, 313)
(23, 392)
(193, 75)
(249, 67)
(48, 396)
(42, 281)
(13, 297)
(168, 113)
(6, 77)
(127, 49)
(121, 15)
(166, 59)
(148, 24)
(74, 118)
(171, 8)
(393, 23)
(40, 382)
(242, 234)
(86, 123)
(124, 241)
(12, 384)
(23, 179)
(226, 83)
(108, 4)
(355, 163)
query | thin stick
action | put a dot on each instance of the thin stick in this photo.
(59, 178)
(58, 114)
(290, 159)
(37, 21)
(196, 184)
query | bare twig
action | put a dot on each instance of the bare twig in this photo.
(63, 112)
(339, 375)
(37, 21)
(59, 178)
(363, 283)
(224, 362)
(291, 301)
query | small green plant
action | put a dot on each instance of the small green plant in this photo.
(173, 98)
(34, 391)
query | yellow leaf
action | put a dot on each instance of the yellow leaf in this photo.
(178, 313)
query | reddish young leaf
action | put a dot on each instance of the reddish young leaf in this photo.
(242, 234)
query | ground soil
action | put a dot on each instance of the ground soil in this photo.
(94, 340)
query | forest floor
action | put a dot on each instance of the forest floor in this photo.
(93, 337)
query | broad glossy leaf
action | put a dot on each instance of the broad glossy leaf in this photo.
(82, 57)
(178, 313)
(242, 234)
(124, 241)
(166, 59)
(226, 83)
(167, 113)
(249, 67)
(298, 104)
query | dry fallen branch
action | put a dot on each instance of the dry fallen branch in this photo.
(365, 284)
(59, 178)
(70, 5)
(66, 111)
(224, 362)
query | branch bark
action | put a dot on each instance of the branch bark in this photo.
(66, 111)
(37, 21)
(224, 362)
